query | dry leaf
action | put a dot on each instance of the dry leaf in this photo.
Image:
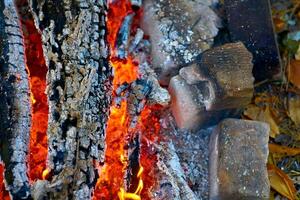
(280, 25)
(281, 182)
(265, 115)
(275, 148)
(294, 109)
(294, 72)
(297, 55)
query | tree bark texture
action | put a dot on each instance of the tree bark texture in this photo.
(79, 95)
(14, 102)
(78, 89)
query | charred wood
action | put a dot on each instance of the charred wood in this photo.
(133, 165)
(78, 89)
(172, 181)
(136, 3)
(14, 103)
(123, 37)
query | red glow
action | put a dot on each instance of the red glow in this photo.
(111, 174)
(37, 71)
(3, 193)
(150, 127)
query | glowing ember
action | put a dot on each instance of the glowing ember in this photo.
(110, 184)
(37, 71)
(3, 193)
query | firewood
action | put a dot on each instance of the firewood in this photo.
(78, 89)
(14, 103)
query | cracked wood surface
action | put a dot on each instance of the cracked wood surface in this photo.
(79, 92)
(14, 102)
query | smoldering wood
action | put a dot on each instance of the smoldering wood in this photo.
(140, 53)
(136, 3)
(250, 21)
(172, 181)
(136, 40)
(123, 37)
(133, 166)
(14, 103)
(79, 92)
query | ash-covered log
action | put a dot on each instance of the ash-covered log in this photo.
(79, 92)
(14, 102)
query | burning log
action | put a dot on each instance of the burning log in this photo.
(79, 92)
(14, 103)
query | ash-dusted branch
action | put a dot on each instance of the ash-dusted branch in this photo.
(78, 89)
(14, 102)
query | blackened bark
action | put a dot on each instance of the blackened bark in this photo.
(78, 89)
(14, 102)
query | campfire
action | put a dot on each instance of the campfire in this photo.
(134, 99)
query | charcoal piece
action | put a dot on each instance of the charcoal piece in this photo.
(250, 21)
(14, 103)
(228, 68)
(133, 166)
(136, 3)
(136, 40)
(123, 37)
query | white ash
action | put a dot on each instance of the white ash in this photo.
(79, 91)
(158, 95)
(193, 154)
(179, 30)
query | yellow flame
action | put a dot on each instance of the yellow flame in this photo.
(140, 171)
(140, 187)
(33, 101)
(123, 195)
(126, 195)
(45, 173)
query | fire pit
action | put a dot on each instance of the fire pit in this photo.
(126, 99)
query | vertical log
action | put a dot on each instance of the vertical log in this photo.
(78, 89)
(14, 102)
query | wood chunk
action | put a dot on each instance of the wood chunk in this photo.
(238, 157)
(216, 87)
(250, 21)
(185, 105)
(179, 31)
(229, 69)
(14, 103)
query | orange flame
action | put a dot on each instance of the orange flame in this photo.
(111, 174)
(3, 192)
(37, 70)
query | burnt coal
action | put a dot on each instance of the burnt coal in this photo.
(123, 37)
